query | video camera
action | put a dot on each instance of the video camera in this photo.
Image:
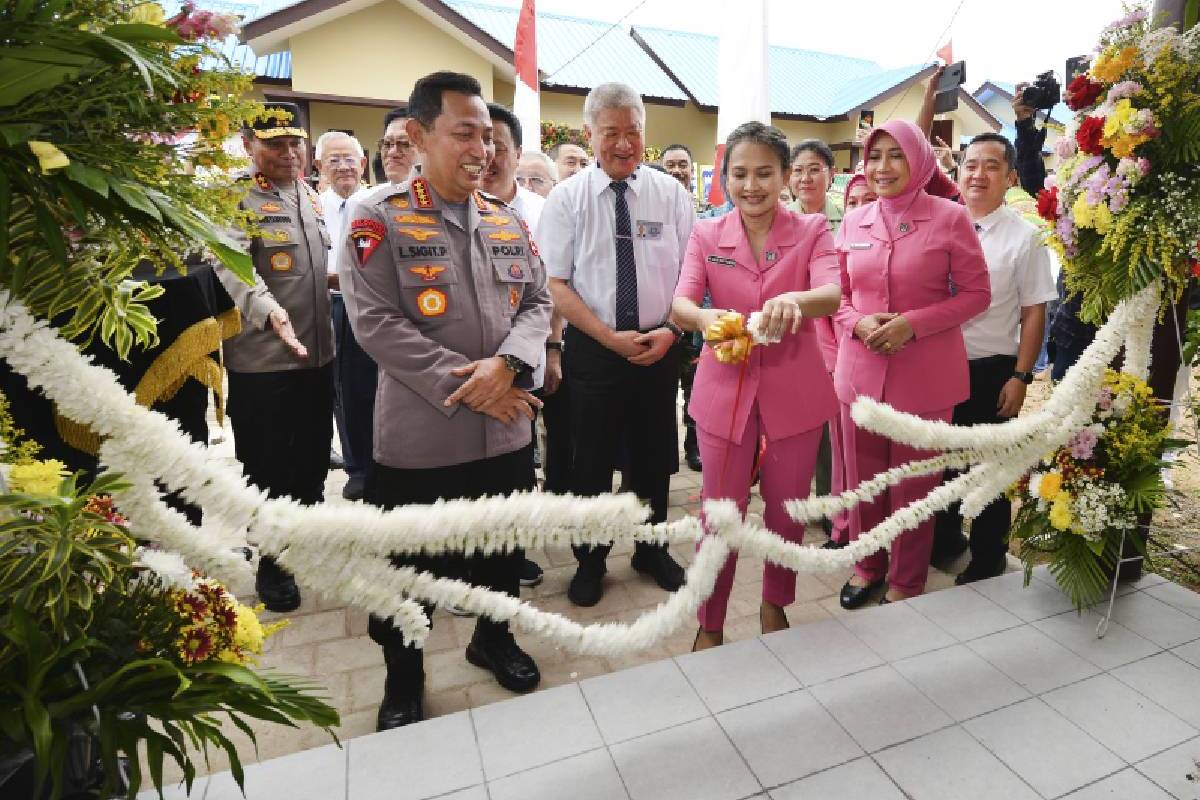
(1044, 93)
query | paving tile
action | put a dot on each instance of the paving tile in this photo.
(637, 701)
(516, 735)
(1153, 619)
(1035, 601)
(590, 776)
(1189, 653)
(417, 761)
(1077, 633)
(1119, 718)
(1170, 770)
(859, 779)
(474, 793)
(318, 774)
(821, 651)
(964, 613)
(1050, 753)
(960, 682)
(736, 674)
(785, 738)
(950, 765)
(1032, 659)
(694, 761)
(1125, 785)
(879, 708)
(896, 631)
(174, 791)
(1178, 596)
(1167, 680)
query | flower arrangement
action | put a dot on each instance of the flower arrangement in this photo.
(1085, 494)
(1124, 202)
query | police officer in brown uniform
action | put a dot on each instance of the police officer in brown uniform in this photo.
(280, 365)
(446, 292)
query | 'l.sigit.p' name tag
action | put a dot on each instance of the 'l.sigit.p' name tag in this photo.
(724, 262)
(860, 245)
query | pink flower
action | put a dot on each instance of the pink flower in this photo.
(1083, 443)
(1105, 401)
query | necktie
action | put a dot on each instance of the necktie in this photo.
(627, 296)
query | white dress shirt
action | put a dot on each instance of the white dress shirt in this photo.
(529, 205)
(333, 208)
(577, 238)
(1019, 267)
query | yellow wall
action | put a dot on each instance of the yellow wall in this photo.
(365, 121)
(378, 52)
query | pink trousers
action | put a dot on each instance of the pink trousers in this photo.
(785, 473)
(840, 523)
(866, 455)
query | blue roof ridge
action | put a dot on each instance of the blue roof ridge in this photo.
(595, 23)
(652, 29)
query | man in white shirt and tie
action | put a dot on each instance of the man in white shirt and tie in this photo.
(613, 238)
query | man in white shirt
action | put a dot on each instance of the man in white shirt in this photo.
(537, 173)
(569, 158)
(613, 238)
(1003, 342)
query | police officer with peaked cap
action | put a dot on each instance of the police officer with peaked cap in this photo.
(280, 365)
(446, 292)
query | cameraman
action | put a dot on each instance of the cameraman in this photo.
(1031, 170)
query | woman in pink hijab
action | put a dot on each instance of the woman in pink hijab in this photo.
(899, 336)
(858, 193)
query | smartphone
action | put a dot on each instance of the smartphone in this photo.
(953, 76)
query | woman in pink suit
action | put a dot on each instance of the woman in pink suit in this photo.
(912, 272)
(761, 258)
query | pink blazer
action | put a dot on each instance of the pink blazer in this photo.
(912, 275)
(788, 379)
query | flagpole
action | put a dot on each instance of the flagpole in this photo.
(742, 87)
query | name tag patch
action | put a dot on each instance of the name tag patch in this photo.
(646, 229)
(860, 245)
(424, 251)
(724, 262)
(508, 250)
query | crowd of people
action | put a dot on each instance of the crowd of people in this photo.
(482, 283)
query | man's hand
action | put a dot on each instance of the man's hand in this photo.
(1019, 108)
(490, 379)
(334, 282)
(934, 79)
(283, 329)
(780, 315)
(626, 344)
(869, 324)
(657, 342)
(889, 337)
(511, 406)
(554, 372)
(945, 155)
(1012, 397)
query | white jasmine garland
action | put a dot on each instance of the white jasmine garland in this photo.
(170, 569)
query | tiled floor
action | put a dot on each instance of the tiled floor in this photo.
(979, 692)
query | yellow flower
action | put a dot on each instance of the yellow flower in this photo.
(1060, 513)
(37, 477)
(1123, 112)
(49, 157)
(1112, 64)
(1050, 486)
(147, 14)
(1102, 218)
(1082, 212)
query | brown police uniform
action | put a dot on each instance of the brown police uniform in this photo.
(429, 287)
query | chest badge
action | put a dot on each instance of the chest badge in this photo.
(282, 236)
(366, 235)
(270, 208)
(282, 262)
(419, 234)
(432, 302)
(414, 219)
(514, 297)
(428, 272)
(496, 219)
(515, 271)
(904, 227)
(504, 236)
(398, 202)
(771, 256)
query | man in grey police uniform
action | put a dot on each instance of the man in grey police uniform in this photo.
(280, 365)
(446, 292)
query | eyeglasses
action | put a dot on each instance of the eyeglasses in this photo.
(341, 161)
(531, 180)
(403, 145)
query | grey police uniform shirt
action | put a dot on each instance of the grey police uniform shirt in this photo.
(289, 272)
(429, 288)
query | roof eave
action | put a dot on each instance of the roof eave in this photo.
(884, 95)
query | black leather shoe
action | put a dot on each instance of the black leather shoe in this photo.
(354, 488)
(691, 450)
(531, 573)
(853, 597)
(495, 649)
(658, 564)
(883, 601)
(587, 587)
(977, 572)
(398, 710)
(276, 587)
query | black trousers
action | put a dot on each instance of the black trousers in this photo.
(282, 425)
(354, 380)
(989, 531)
(388, 487)
(689, 360)
(614, 401)
(560, 451)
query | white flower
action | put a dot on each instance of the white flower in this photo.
(1035, 484)
(169, 568)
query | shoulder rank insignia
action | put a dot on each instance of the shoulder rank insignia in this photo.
(496, 219)
(261, 181)
(366, 235)
(432, 302)
(398, 202)
(428, 272)
(504, 236)
(420, 234)
(482, 204)
(533, 248)
(420, 190)
(270, 208)
(415, 219)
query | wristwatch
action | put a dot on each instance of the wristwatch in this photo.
(515, 364)
(673, 328)
(554, 346)
(1024, 377)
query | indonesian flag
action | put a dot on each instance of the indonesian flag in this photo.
(946, 53)
(742, 77)
(527, 103)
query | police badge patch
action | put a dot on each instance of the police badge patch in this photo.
(366, 235)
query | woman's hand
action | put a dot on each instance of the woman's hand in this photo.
(707, 316)
(869, 324)
(889, 337)
(780, 315)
